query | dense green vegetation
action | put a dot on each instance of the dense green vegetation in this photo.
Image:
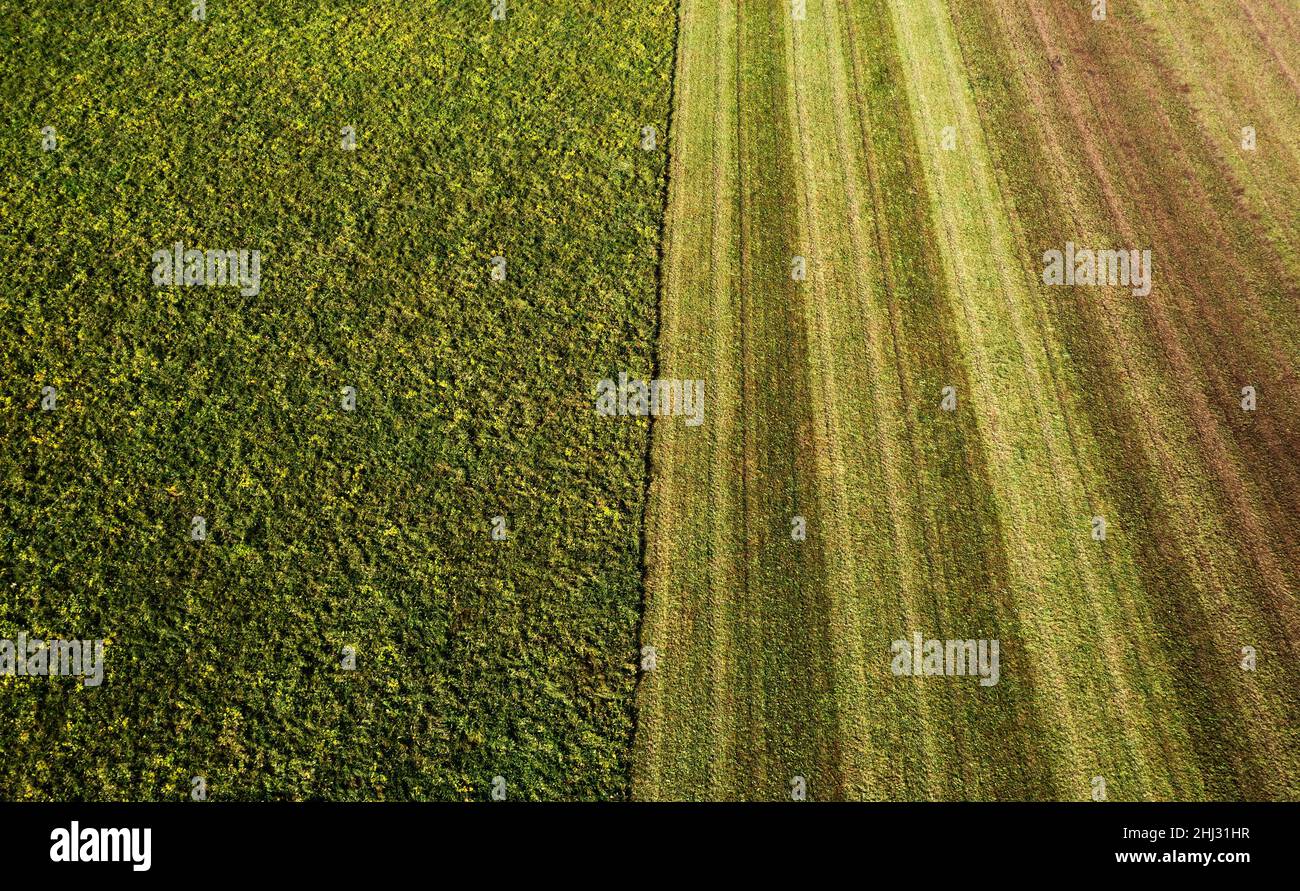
(327, 528)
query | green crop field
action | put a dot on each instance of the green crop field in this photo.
(350, 527)
(327, 528)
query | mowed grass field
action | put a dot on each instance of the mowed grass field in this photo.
(1121, 659)
(327, 528)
